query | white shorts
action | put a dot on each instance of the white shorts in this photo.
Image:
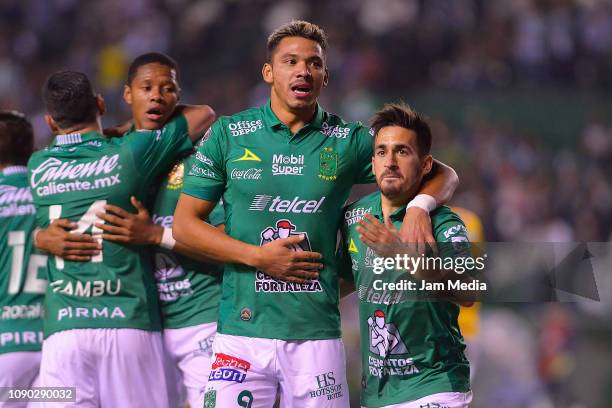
(108, 367)
(189, 352)
(248, 372)
(440, 400)
(19, 370)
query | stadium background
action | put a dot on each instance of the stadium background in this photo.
(519, 92)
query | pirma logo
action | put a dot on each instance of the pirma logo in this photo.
(248, 156)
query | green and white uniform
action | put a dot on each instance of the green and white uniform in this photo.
(189, 294)
(410, 349)
(22, 290)
(189, 291)
(73, 178)
(276, 184)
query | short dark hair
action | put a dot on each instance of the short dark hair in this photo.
(69, 99)
(402, 115)
(297, 28)
(149, 58)
(16, 138)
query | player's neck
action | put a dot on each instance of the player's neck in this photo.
(294, 119)
(81, 128)
(389, 205)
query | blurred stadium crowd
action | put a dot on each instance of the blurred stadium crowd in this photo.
(523, 187)
(395, 48)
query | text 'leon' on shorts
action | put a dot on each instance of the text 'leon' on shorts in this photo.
(248, 372)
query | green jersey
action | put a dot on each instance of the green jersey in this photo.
(21, 290)
(275, 185)
(74, 178)
(409, 348)
(189, 291)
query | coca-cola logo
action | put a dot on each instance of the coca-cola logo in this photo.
(54, 169)
(12, 194)
(248, 174)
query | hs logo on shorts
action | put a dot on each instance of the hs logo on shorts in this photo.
(326, 386)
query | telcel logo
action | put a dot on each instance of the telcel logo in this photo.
(278, 205)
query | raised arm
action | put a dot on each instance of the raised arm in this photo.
(199, 118)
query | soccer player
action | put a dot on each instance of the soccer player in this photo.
(21, 290)
(189, 291)
(102, 320)
(411, 350)
(285, 170)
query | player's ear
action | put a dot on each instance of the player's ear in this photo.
(325, 77)
(373, 167)
(266, 73)
(427, 164)
(51, 123)
(100, 104)
(127, 94)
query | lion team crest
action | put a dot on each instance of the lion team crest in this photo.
(328, 164)
(175, 178)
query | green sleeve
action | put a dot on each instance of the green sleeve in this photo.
(363, 150)
(155, 151)
(42, 212)
(205, 170)
(450, 233)
(217, 216)
(345, 264)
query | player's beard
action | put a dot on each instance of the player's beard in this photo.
(394, 189)
(390, 191)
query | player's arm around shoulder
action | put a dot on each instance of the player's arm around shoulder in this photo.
(199, 118)
(56, 237)
(437, 188)
(452, 236)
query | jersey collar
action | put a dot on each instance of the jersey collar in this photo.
(7, 171)
(75, 138)
(273, 121)
(397, 215)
